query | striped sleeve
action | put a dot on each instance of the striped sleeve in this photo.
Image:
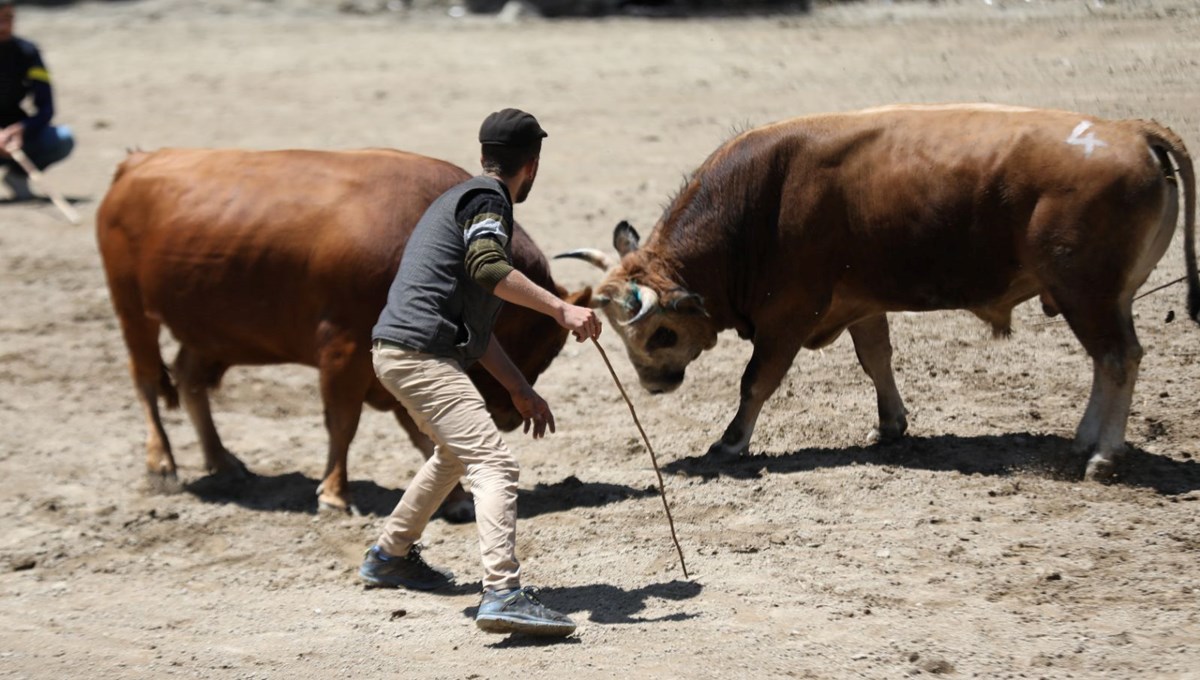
(486, 224)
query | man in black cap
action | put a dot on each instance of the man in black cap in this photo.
(455, 275)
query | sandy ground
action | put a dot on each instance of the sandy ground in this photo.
(962, 551)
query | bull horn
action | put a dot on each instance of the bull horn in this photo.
(649, 298)
(596, 257)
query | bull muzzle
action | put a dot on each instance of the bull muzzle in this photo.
(660, 382)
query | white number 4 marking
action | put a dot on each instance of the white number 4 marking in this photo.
(1088, 142)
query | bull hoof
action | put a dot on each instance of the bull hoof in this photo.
(723, 450)
(1100, 470)
(163, 483)
(884, 435)
(459, 512)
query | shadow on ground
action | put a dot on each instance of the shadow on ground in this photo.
(44, 200)
(1001, 455)
(606, 604)
(294, 492)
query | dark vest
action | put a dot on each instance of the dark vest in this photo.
(433, 305)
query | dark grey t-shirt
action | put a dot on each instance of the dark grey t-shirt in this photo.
(434, 305)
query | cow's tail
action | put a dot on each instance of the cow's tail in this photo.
(1163, 139)
(133, 317)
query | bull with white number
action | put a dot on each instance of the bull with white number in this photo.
(795, 232)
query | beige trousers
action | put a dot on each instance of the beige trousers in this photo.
(448, 408)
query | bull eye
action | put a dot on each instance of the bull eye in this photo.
(663, 338)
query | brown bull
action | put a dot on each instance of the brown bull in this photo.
(794, 232)
(283, 257)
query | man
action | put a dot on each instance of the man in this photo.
(455, 275)
(23, 73)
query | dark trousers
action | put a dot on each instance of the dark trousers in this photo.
(50, 145)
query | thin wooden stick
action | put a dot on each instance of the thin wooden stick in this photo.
(662, 489)
(40, 179)
(1165, 285)
(1152, 290)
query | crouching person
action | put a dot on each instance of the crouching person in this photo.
(23, 75)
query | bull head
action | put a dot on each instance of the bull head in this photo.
(664, 326)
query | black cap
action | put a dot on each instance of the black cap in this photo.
(511, 127)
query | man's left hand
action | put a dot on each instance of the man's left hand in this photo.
(534, 410)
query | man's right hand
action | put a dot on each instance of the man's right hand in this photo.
(582, 321)
(12, 137)
(518, 289)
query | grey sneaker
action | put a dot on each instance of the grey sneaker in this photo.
(411, 571)
(520, 611)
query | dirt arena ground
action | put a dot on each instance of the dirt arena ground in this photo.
(963, 551)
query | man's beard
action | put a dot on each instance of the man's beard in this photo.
(523, 190)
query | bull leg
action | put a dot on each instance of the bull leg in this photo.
(768, 364)
(196, 376)
(459, 506)
(873, 346)
(150, 380)
(160, 463)
(346, 375)
(1111, 341)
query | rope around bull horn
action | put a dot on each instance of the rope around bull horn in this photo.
(662, 490)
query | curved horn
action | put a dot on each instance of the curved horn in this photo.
(596, 257)
(649, 298)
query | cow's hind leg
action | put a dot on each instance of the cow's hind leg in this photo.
(459, 506)
(873, 346)
(1098, 304)
(346, 374)
(161, 471)
(1109, 337)
(150, 380)
(197, 375)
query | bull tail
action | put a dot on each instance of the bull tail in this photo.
(167, 389)
(1163, 139)
(133, 158)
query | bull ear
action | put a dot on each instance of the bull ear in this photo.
(625, 238)
(688, 303)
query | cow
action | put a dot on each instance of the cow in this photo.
(267, 257)
(794, 232)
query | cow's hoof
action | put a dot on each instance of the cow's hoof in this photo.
(337, 508)
(1100, 470)
(459, 512)
(884, 435)
(232, 478)
(328, 503)
(164, 483)
(230, 468)
(723, 450)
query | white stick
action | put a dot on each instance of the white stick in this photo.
(40, 179)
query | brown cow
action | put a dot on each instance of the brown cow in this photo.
(283, 257)
(794, 232)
